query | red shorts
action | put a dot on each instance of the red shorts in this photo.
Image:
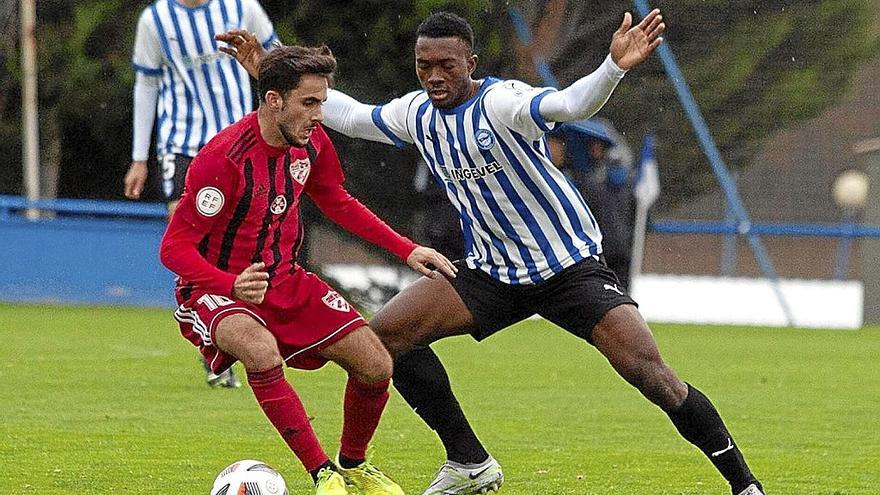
(304, 314)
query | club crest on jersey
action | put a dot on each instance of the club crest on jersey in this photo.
(300, 169)
(334, 301)
(485, 139)
(279, 204)
(518, 88)
(209, 201)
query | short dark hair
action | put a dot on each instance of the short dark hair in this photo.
(282, 69)
(447, 25)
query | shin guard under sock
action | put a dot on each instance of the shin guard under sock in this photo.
(700, 424)
(420, 378)
(364, 403)
(285, 411)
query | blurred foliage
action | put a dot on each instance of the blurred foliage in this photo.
(755, 67)
(85, 83)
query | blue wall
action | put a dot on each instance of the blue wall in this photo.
(84, 260)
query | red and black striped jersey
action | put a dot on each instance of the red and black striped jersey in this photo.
(240, 206)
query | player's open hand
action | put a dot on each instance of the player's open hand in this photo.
(251, 284)
(135, 179)
(244, 46)
(631, 46)
(423, 257)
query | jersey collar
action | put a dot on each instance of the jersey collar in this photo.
(470, 101)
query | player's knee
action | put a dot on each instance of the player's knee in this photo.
(260, 356)
(249, 342)
(380, 369)
(383, 368)
(384, 326)
(659, 384)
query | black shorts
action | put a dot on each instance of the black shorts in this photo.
(575, 299)
(172, 173)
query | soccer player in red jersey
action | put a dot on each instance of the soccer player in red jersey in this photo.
(233, 243)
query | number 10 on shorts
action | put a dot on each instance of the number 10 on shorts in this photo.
(213, 301)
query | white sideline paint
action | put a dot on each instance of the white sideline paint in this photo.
(690, 299)
(748, 301)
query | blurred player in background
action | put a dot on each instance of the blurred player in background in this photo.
(599, 162)
(195, 90)
(233, 241)
(533, 246)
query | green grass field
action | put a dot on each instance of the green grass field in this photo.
(111, 401)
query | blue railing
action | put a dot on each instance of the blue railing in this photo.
(157, 211)
(106, 252)
(771, 229)
(83, 251)
(84, 207)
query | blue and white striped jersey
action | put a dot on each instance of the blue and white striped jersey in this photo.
(523, 220)
(202, 89)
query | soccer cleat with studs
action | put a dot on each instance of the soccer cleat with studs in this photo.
(226, 379)
(367, 479)
(457, 479)
(752, 489)
(330, 482)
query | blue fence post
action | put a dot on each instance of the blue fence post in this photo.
(869, 249)
(525, 36)
(728, 245)
(844, 245)
(676, 77)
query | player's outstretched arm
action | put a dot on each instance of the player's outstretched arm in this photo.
(244, 46)
(345, 115)
(630, 46)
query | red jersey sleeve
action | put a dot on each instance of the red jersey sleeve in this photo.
(210, 184)
(326, 190)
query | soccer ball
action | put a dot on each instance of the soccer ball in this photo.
(249, 478)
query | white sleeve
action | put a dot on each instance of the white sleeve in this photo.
(384, 123)
(147, 57)
(146, 94)
(515, 105)
(256, 20)
(584, 97)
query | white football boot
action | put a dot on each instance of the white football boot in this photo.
(751, 490)
(225, 379)
(459, 479)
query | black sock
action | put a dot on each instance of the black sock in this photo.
(699, 423)
(420, 378)
(348, 463)
(326, 465)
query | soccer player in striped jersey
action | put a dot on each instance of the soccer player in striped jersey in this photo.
(182, 77)
(233, 243)
(195, 90)
(533, 247)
